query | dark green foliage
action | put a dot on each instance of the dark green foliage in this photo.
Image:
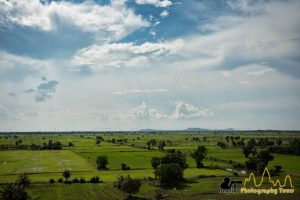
(71, 144)
(51, 180)
(66, 174)
(161, 145)
(102, 161)
(169, 174)
(23, 180)
(155, 162)
(82, 180)
(95, 179)
(60, 180)
(198, 155)
(124, 166)
(174, 157)
(295, 146)
(259, 162)
(222, 145)
(265, 156)
(127, 185)
(13, 191)
(158, 195)
(75, 180)
(56, 146)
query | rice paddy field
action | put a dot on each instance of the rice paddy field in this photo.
(80, 159)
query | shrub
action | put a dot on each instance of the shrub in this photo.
(95, 179)
(51, 180)
(60, 180)
(75, 180)
(82, 180)
(127, 184)
(125, 166)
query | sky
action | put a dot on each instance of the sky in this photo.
(101, 65)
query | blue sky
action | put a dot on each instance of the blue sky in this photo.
(161, 64)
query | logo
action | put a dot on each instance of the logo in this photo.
(268, 186)
(229, 186)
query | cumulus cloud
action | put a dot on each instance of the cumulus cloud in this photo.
(45, 91)
(124, 55)
(182, 110)
(112, 21)
(143, 112)
(185, 110)
(250, 39)
(164, 13)
(156, 3)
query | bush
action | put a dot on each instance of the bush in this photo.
(23, 180)
(95, 179)
(82, 180)
(51, 180)
(127, 184)
(125, 166)
(60, 180)
(75, 180)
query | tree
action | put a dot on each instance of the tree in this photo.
(265, 156)
(124, 166)
(127, 185)
(198, 155)
(14, 191)
(246, 151)
(23, 180)
(155, 161)
(158, 195)
(99, 139)
(56, 146)
(174, 157)
(169, 174)
(161, 145)
(101, 162)
(66, 174)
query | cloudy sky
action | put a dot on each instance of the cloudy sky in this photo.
(161, 64)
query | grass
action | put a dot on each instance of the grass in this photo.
(201, 183)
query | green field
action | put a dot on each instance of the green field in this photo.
(42, 165)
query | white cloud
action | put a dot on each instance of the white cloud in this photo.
(144, 113)
(110, 22)
(245, 82)
(259, 72)
(157, 3)
(247, 39)
(226, 73)
(124, 55)
(16, 68)
(188, 111)
(4, 112)
(164, 13)
(153, 33)
(141, 91)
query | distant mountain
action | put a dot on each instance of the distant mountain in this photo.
(197, 129)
